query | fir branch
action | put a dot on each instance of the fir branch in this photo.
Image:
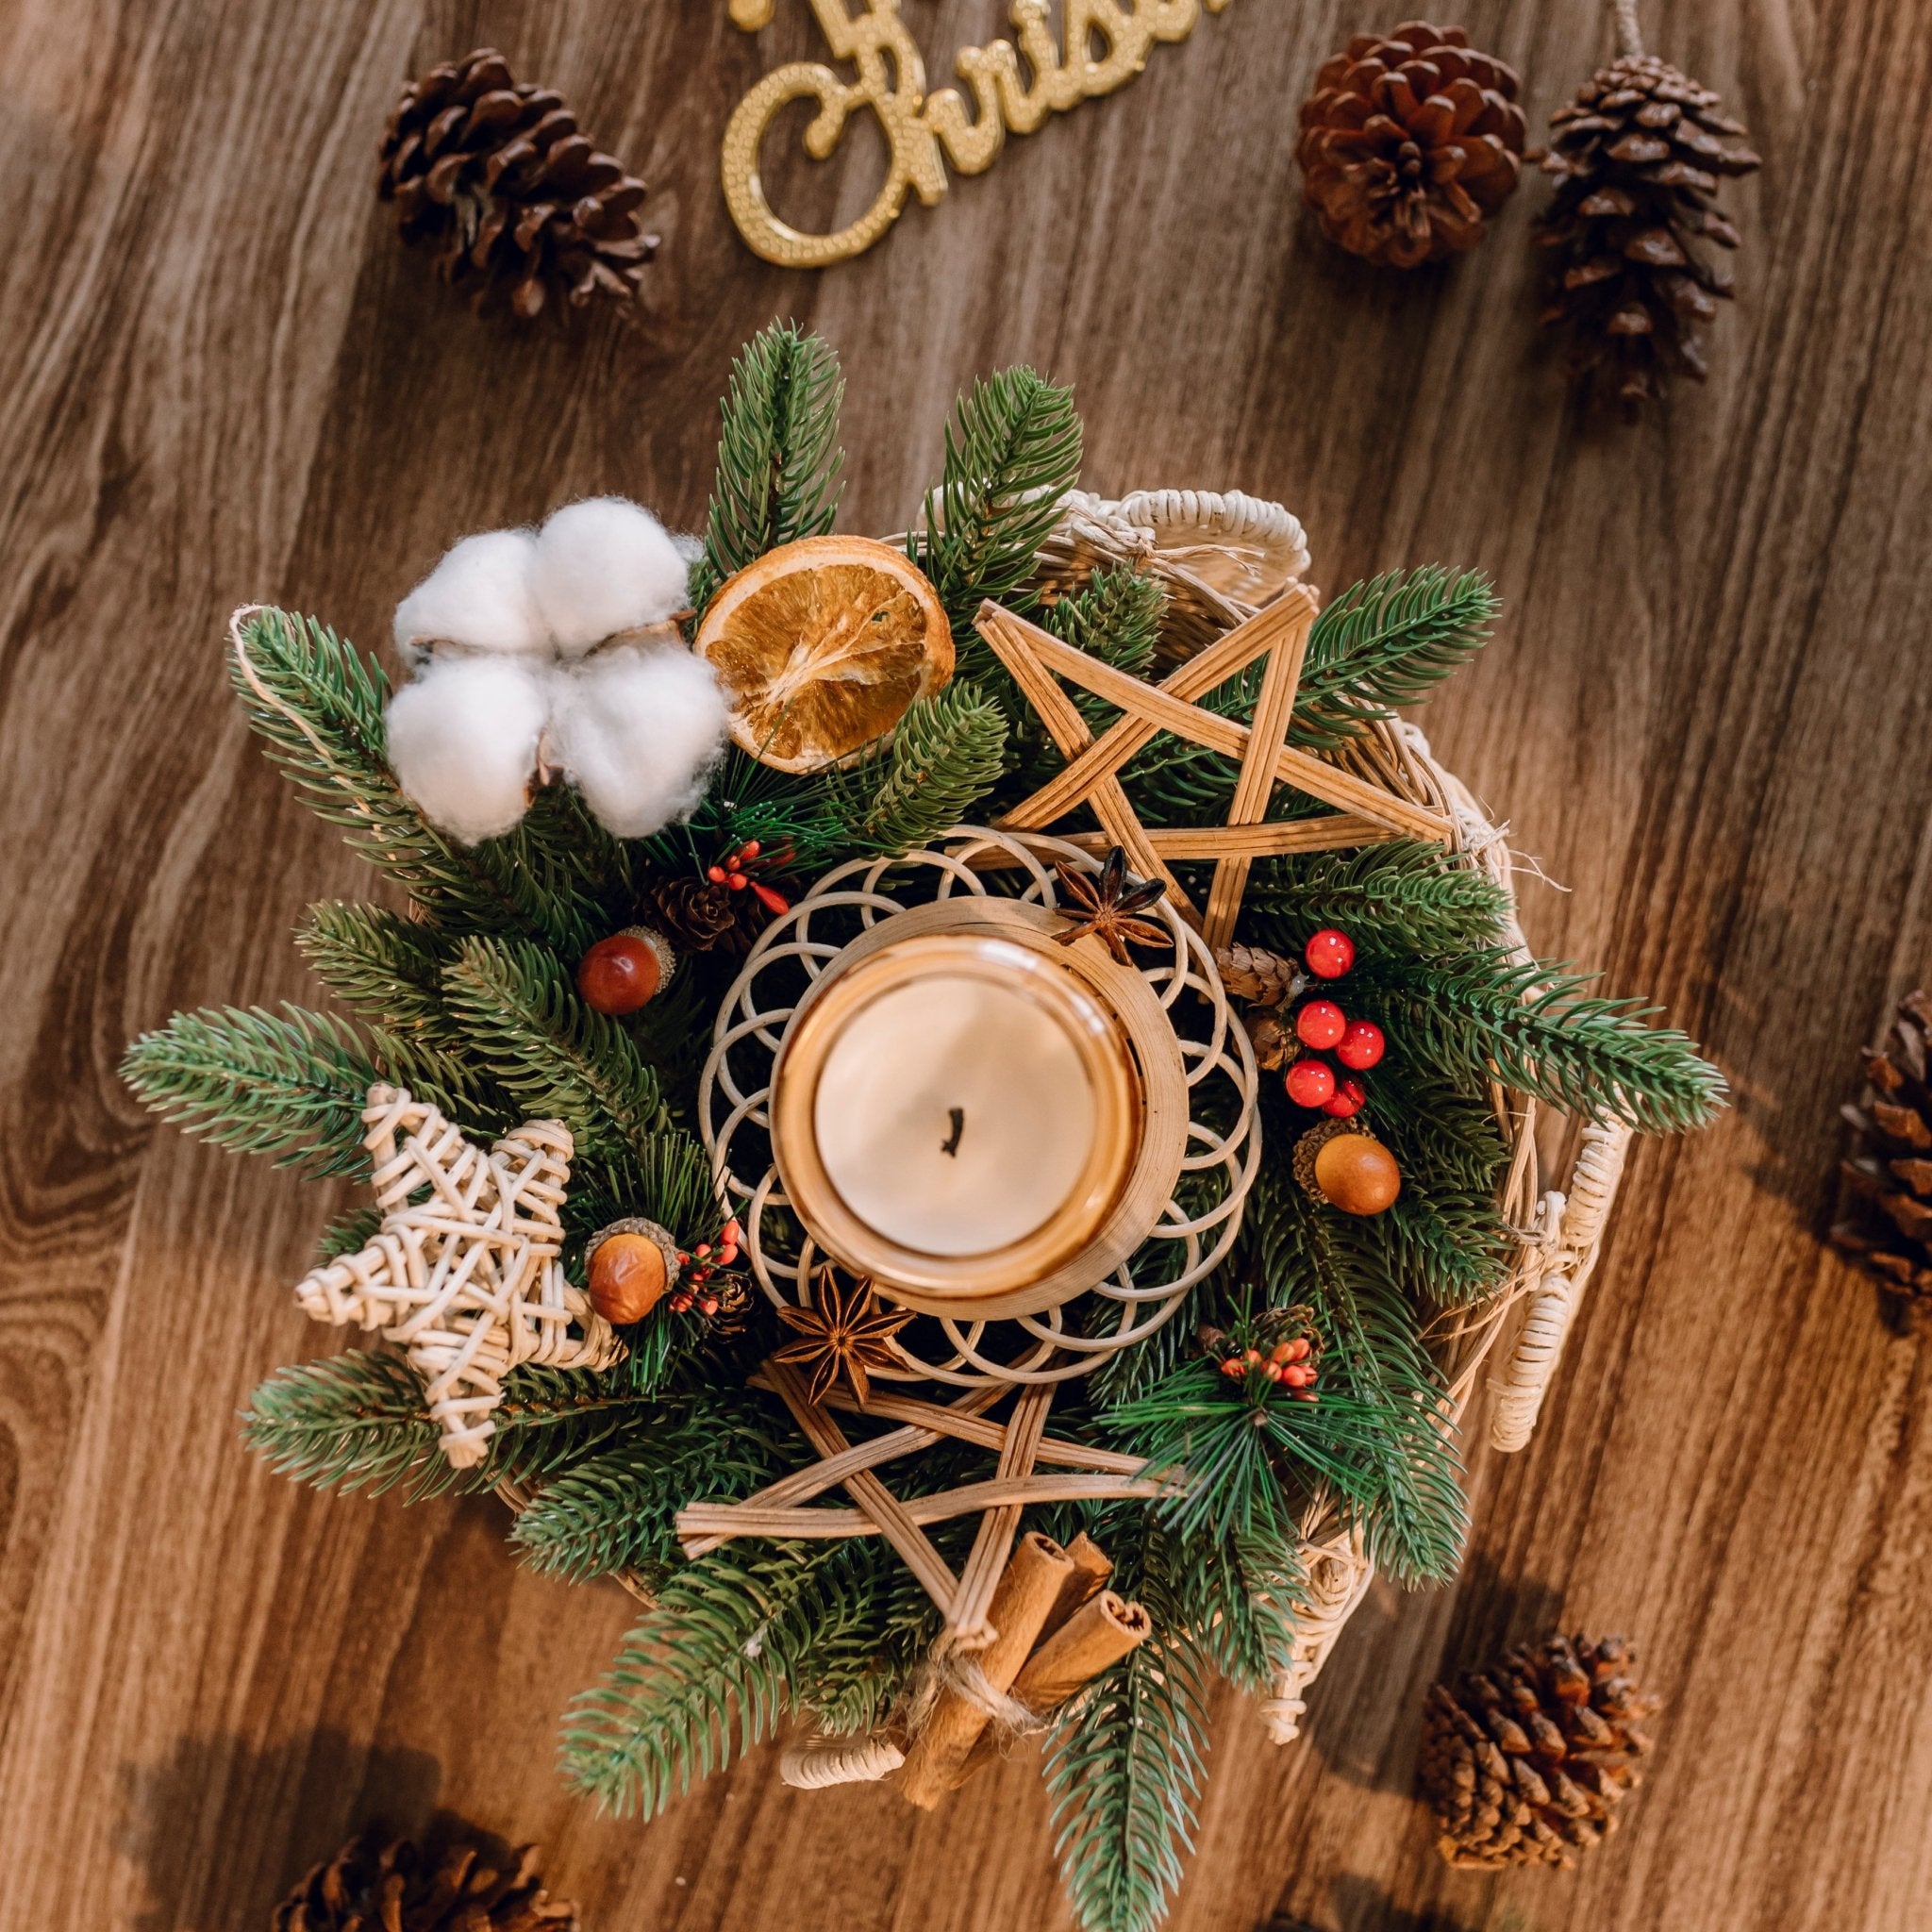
(357, 1421)
(379, 964)
(1534, 1028)
(1388, 642)
(317, 704)
(1408, 898)
(291, 1085)
(347, 1233)
(1240, 1595)
(617, 1509)
(520, 1012)
(1124, 1760)
(704, 1674)
(1115, 616)
(778, 456)
(854, 1672)
(945, 753)
(1012, 452)
(662, 1175)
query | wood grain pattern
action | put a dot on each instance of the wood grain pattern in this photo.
(1706, 713)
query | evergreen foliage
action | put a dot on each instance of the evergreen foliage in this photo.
(778, 456)
(945, 754)
(1405, 898)
(1012, 452)
(1124, 1761)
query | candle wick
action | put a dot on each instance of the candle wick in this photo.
(951, 1144)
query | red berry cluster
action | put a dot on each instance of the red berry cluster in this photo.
(698, 1267)
(1287, 1362)
(733, 871)
(1321, 1026)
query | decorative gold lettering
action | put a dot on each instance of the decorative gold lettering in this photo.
(1104, 44)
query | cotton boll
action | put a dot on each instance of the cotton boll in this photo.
(605, 566)
(479, 595)
(640, 728)
(462, 742)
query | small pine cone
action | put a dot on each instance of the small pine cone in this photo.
(1638, 157)
(1524, 1762)
(378, 1884)
(1260, 977)
(1410, 140)
(1273, 1039)
(498, 175)
(698, 914)
(1885, 1197)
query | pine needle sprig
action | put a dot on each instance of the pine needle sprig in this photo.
(520, 1014)
(778, 454)
(1115, 616)
(617, 1509)
(1240, 1595)
(853, 1673)
(347, 1233)
(1012, 452)
(1388, 642)
(1406, 897)
(318, 705)
(358, 1421)
(379, 964)
(291, 1085)
(946, 754)
(702, 1676)
(1537, 1028)
(1124, 1760)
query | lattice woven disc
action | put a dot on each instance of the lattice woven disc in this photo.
(1223, 1133)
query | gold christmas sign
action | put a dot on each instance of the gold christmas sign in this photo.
(1104, 44)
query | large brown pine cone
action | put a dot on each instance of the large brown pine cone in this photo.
(1885, 1204)
(498, 175)
(379, 1884)
(1637, 156)
(1409, 141)
(1524, 1762)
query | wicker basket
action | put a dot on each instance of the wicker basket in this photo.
(1221, 557)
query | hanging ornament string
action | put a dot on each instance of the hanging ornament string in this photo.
(1629, 35)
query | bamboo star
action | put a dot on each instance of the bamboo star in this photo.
(845, 1333)
(1365, 815)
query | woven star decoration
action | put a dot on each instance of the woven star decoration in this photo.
(467, 1277)
(1365, 815)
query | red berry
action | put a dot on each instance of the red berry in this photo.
(622, 973)
(1329, 954)
(749, 850)
(1311, 1083)
(777, 904)
(1347, 1101)
(1234, 1366)
(736, 881)
(1361, 1045)
(715, 873)
(1321, 1022)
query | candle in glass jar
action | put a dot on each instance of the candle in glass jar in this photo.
(955, 1113)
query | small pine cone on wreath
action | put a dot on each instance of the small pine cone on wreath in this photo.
(1410, 141)
(499, 176)
(1637, 156)
(1260, 977)
(1885, 1204)
(1523, 1762)
(379, 1884)
(699, 915)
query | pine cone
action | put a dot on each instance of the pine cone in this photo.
(500, 177)
(1885, 1204)
(378, 1884)
(1409, 141)
(1524, 1762)
(1637, 155)
(1260, 977)
(696, 914)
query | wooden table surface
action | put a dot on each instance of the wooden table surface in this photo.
(1706, 714)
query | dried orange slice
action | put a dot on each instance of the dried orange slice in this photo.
(822, 644)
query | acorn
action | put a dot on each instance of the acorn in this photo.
(632, 1265)
(1347, 1167)
(625, 972)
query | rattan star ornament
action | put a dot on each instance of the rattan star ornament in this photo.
(1365, 815)
(464, 1274)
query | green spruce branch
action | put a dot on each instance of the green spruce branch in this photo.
(1406, 897)
(945, 754)
(778, 456)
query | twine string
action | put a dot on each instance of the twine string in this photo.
(1629, 34)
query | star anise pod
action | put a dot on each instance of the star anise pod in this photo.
(1105, 905)
(844, 1332)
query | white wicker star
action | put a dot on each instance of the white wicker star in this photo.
(466, 1277)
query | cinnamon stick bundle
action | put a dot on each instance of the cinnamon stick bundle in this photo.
(1028, 1591)
(1092, 1567)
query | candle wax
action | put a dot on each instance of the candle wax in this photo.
(953, 1115)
